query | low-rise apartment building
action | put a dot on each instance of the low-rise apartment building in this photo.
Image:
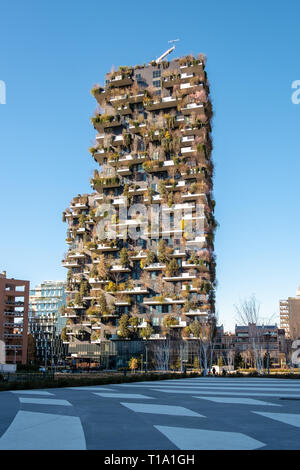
(14, 300)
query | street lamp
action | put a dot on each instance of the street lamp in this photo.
(268, 335)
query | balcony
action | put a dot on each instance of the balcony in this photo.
(76, 307)
(196, 240)
(136, 129)
(134, 291)
(122, 303)
(120, 269)
(155, 267)
(79, 205)
(194, 108)
(157, 336)
(180, 277)
(187, 151)
(125, 170)
(191, 196)
(196, 313)
(93, 280)
(138, 98)
(14, 314)
(121, 80)
(69, 315)
(168, 102)
(177, 253)
(163, 301)
(70, 264)
(187, 139)
(140, 255)
(76, 255)
(102, 247)
(155, 199)
(182, 206)
(181, 324)
(202, 267)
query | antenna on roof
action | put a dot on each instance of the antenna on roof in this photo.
(168, 51)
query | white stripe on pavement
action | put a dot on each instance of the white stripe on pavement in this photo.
(43, 431)
(31, 392)
(161, 409)
(123, 395)
(215, 392)
(238, 401)
(44, 401)
(202, 439)
(287, 418)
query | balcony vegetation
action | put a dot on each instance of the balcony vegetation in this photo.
(172, 268)
(177, 120)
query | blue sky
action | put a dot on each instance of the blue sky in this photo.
(51, 55)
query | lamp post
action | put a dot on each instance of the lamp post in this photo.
(268, 335)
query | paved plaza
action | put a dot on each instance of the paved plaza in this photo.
(192, 413)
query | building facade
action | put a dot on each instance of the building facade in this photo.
(46, 323)
(141, 262)
(250, 343)
(251, 340)
(290, 316)
(14, 300)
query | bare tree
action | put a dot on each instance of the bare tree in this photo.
(248, 314)
(248, 311)
(161, 354)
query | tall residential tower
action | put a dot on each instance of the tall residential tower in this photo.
(141, 262)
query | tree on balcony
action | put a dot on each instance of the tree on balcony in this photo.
(134, 322)
(163, 251)
(84, 289)
(64, 335)
(124, 258)
(172, 268)
(82, 220)
(92, 311)
(94, 271)
(150, 258)
(95, 335)
(146, 332)
(102, 270)
(78, 299)
(103, 307)
(124, 331)
(169, 320)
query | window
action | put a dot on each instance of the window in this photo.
(155, 155)
(138, 76)
(156, 83)
(156, 73)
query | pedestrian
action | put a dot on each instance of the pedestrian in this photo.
(214, 371)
